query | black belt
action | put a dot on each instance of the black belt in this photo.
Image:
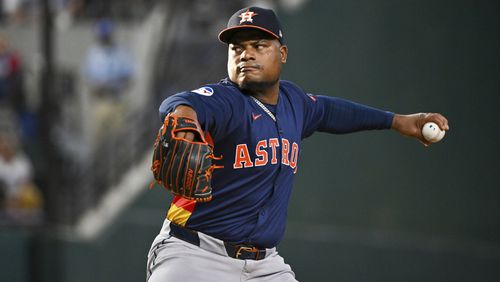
(237, 251)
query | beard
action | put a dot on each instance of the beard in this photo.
(256, 86)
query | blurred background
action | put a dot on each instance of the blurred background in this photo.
(81, 82)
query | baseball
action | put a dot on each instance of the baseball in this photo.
(432, 132)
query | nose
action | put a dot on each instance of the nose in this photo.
(246, 55)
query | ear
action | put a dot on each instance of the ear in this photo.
(284, 53)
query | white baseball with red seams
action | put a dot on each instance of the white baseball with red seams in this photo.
(432, 132)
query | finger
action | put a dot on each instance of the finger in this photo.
(189, 136)
(443, 123)
(185, 135)
(425, 143)
(180, 134)
(446, 125)
(440, 120)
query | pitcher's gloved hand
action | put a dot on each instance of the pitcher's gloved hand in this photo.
(180, 165)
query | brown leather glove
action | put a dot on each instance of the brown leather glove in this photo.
(182, 166)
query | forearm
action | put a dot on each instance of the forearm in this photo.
(188, 112)
(185, 111)
(170, 104)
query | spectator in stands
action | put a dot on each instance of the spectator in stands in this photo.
(16, 11)
(108, 70)
(11, 94)
(22, 201)
(108, 66)
(66, 11)
(14, 114)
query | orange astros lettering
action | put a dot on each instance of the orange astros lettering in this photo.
(261, 153)
(273, 142)
(289, 154)
(242, 157)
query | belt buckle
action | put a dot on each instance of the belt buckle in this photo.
(244, 248)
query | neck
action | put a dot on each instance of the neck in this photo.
(268, 95)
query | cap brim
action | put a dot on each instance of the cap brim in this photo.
(226, 34)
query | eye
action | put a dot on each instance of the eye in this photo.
(236, 49)
(261, 45)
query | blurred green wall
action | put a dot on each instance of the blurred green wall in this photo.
(403, 56)
(400, 212)
(370, 206)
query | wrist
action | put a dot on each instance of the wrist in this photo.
(397, 121)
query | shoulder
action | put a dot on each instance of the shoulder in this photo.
(289, 85)
(208, 90)
(216, 91)
(298, 95)
(216, 95)
(293, 89)
(224, 87)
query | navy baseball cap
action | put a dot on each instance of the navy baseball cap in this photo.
(253, 18)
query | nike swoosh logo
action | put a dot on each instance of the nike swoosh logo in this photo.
(256, 116)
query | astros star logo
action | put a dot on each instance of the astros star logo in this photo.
(247, 16)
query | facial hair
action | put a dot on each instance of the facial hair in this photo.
(256, 86)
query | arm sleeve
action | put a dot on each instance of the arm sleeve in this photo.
(168, 105)
(336, 115)
(214, 113)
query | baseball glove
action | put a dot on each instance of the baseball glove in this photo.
(180, 165)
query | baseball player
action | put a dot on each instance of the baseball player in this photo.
(229, 152)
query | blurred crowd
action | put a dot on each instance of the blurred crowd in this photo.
(20, 198)
(21, 201)
(66, 11)
(106, 73)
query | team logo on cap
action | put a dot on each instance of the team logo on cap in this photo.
(205, 91)
(247, 16)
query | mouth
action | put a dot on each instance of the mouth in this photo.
(247, 68)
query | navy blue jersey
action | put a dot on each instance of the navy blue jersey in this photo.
(260, 155)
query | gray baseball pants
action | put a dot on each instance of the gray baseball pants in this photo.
(171, 259)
